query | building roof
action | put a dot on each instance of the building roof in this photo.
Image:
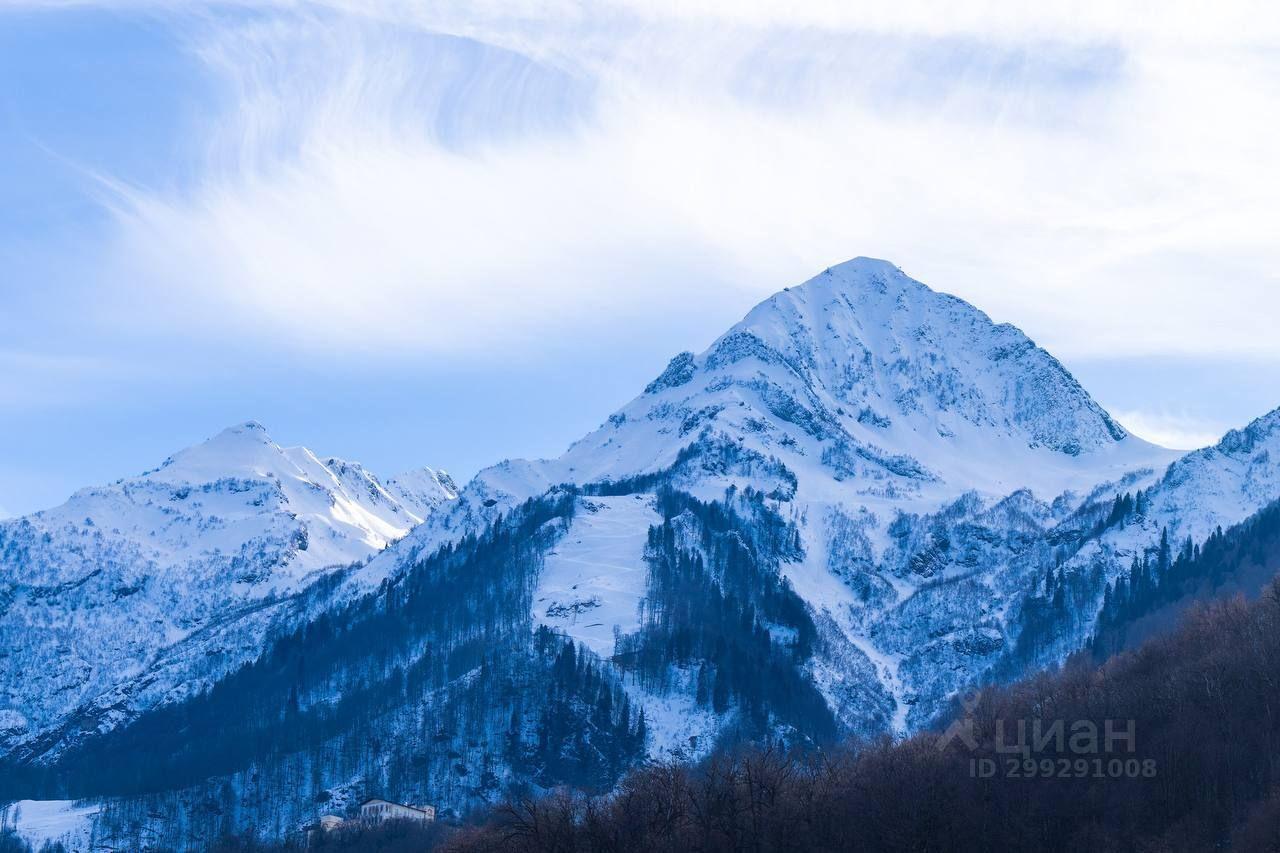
(422, 809)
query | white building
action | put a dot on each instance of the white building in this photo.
(376, 811)
(327, 823)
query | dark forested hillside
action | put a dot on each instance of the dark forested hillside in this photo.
(437, 684)
(441, 687)
(722, 607)
(452, 614)
(1173, 747)
(1161, 586)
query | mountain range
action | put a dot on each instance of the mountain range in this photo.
(861, 500)
(143, 590)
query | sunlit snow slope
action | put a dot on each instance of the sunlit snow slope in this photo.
(149, 572)
(890, 422)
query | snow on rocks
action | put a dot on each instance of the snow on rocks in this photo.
(150, 570)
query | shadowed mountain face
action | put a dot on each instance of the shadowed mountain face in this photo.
(861, 499)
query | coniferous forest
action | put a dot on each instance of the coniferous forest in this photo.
(439, 685)
(1172, 746)
(409, 688)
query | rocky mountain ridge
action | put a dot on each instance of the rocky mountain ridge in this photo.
(98, 595)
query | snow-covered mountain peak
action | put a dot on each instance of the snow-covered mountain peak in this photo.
(246, 451)
(868, 335)
(879, 289)
(243, 450)
(1238, 451)
(1219, 485)
(96, 588)
(873, 283)
(425, 488)
(861, 383)
(861, 389)
(868, 267)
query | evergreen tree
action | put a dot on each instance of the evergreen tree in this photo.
(720, 693)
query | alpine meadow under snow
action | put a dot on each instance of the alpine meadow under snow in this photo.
(859, 502)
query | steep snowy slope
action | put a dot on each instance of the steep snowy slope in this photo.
(99, 592)
(872, 376)
(861, 387)
(1219, 485)
(593, 583)
(422, 490)
(1208, 489)
(927, 454)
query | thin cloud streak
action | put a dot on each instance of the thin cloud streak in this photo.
(434, 179)
(1179, 431)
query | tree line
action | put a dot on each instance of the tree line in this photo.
(1195, 764)
(1172, 746)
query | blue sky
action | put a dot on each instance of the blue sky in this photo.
(445, 234)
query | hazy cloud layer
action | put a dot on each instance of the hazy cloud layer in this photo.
(1178, 430)
(438, 179)
(376, 193)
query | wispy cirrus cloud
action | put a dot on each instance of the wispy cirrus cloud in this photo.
(440, 177)
(420, 217)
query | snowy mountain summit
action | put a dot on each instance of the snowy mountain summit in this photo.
(876, 377)
(925, 454)
(861, 385)
(97, 593)
(859, 501)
